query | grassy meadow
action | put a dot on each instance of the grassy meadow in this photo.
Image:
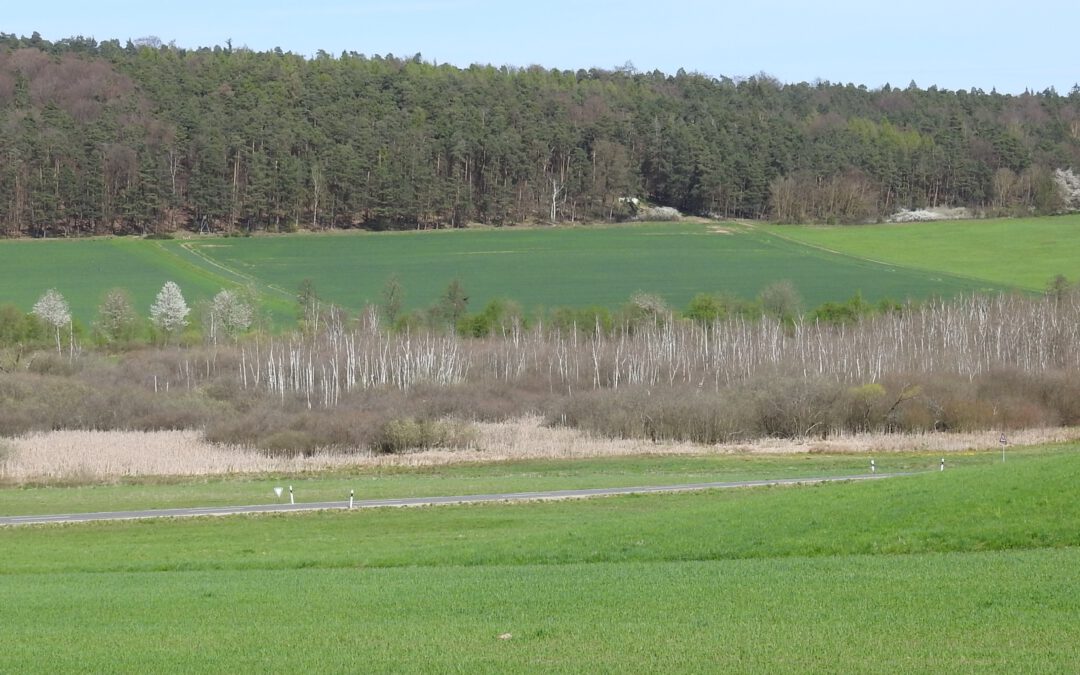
(538, 268)
(968, 569)
(455, 479)
(1024, 253)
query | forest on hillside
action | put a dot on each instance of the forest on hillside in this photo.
(104, 137)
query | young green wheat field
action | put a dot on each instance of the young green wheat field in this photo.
(972, 568)
(537, 268)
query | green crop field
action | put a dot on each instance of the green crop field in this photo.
(538, 268)
(568, 266)
(968, 569)
(1025, 252)
(84, 269)
(514, 476)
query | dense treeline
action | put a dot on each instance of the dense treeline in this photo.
(103, 137)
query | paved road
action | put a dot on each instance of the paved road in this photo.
(419, 501)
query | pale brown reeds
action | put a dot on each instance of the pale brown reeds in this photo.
(931, 442)
(96, 456)
(86, 457)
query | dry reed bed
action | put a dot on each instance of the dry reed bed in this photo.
(89, 456)
(101, 456)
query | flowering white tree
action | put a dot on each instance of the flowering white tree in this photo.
(229, 312)
(52, 308)
(169, 311)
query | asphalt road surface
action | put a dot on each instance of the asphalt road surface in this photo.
(419, 501)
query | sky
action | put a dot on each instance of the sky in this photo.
(1009, 46)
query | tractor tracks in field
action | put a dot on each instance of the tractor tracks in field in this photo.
(224, 271)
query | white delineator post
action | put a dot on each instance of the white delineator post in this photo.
(873, 467)
(351, 494)
(292, 500)
(942, 464)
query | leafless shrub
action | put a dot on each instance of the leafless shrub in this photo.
(487, 401)
(52, 364)
(796, 408)
(294, 433)
(691, 414)
(863, 408)
(31, 401)
(402, 435)
(979, 362)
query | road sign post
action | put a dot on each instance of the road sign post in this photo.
(1004, 441)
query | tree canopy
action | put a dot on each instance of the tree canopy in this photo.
(111, 138)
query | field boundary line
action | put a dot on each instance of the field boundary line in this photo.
(537, 496)
(883, 263)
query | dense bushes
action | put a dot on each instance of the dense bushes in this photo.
(100, 394)
(400, 435)
(1005, 362)
(800, 408)
(33, 402)
(382, 420)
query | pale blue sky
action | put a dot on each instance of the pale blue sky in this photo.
(955, 45)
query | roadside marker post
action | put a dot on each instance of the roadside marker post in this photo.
(351, 494)
(942, 463)
(1004, 441)
(292, 500)
(873, 467)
